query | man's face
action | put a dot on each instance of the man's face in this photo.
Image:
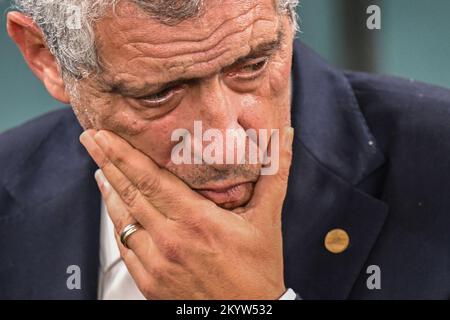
(228, 68)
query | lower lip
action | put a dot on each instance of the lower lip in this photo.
(232, 194)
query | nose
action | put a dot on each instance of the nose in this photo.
(216, 107)
(219, 114)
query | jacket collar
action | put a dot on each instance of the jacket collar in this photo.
(328, 119)
(334, 151)
(58, 220)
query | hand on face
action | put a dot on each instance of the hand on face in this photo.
(188, 247)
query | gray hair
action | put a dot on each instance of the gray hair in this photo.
(72, 42)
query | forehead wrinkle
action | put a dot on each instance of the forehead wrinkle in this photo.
(175, 72)
(173, 48)
(207, 54)
(203, 67)
(200, 45)
(189, 37)
(125, 81)
(162, 51)
(208, 66)
(217, 47)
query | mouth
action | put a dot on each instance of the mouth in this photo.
(230, 195)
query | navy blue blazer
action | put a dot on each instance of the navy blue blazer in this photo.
(371, 156)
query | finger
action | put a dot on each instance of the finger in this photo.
(141, 254)
(135, 267)
(270, 190)
(166, 192)
(140, 241)
(137, 206)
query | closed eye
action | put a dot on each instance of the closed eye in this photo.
(250, 69)
(161, 97)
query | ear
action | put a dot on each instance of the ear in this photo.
(29, 38)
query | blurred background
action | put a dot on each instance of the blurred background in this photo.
(414, 42)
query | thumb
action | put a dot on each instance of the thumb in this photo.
(270, 190)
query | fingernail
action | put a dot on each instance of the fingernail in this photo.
(101, 139)
(86, 136)
(102, 183)
(83, 137)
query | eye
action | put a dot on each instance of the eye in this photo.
(253, 67)
(250, 69)
(161, 97)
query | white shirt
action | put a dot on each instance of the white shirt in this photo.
(115, 282)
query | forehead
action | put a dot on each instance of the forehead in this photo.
(135, 48)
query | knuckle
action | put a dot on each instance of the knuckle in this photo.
(171, 249)
(283, 175)
(158, 271)
(149, 185)
(121, 223)
(123, 253)
(103, 162)
(117, 156)
(148, 288)
(199, 228)
(128, 194)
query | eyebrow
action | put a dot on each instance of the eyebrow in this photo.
(266, 48)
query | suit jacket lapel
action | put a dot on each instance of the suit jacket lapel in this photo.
(57, 219)
(334, 151)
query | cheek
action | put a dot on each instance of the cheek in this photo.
(279, 88)
(270, 106)
(279, 74)
(153, 138)
(281, 101)
(107, 113)
(93, 108)
(278, 83)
